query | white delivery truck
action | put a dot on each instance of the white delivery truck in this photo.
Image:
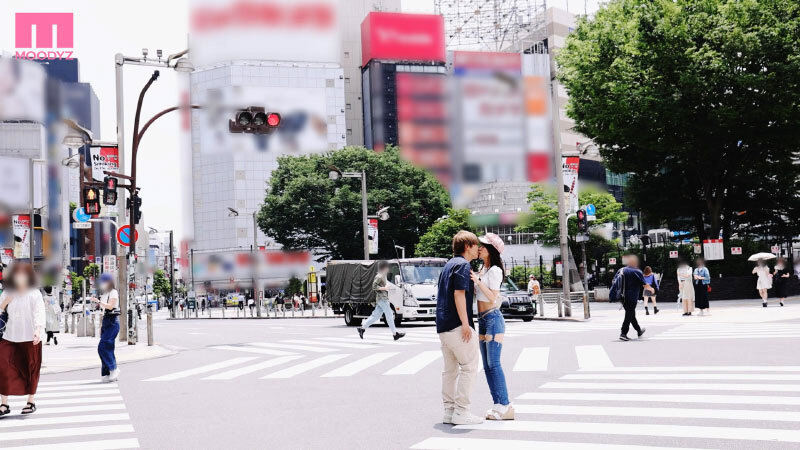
(412, 288)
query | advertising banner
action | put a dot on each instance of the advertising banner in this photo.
(104, 159)
(402, 37)
(373, 236)
(569, 166)
(6, 256)
(21, 227)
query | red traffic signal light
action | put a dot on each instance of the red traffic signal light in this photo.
(254, 120)
(110, 190)
(91, 201)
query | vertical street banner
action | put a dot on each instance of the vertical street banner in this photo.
(712, 249)
(21, 227)
(373, 236)
(569, 166)
(6, 256)
(105, 159)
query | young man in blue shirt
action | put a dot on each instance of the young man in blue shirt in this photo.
(454, 324)
(634, 281)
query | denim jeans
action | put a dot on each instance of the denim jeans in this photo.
(381, 308)
(490, 324)
(108, 336)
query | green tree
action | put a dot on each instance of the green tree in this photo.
(697, 99)
(304, 209)
(438, 240)
(295, 286)
(91, 270)
(542, 218)
(161, 285)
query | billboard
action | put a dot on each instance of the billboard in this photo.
(264, 30)
(570, 166)
(22, 90)
(402, 37)
(21, 227)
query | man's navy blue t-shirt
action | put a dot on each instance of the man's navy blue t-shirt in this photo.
(634, 280)
(454, 277)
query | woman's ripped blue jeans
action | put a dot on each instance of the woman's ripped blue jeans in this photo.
(490, 324)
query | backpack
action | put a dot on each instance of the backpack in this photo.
(617, 291)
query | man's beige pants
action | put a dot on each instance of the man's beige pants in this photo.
(461, 364)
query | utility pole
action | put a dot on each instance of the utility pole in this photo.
(256, 290)
(171, 276)
(122, 269)
(365, 224)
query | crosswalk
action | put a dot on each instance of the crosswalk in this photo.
(75, 414)
(645, 407)
(704, 331)
(352, 360)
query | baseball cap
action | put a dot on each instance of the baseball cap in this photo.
(106, 277)
(493, 240)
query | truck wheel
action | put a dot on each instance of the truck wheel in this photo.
(349, 317)
(527, 319)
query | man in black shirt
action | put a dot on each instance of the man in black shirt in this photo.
(634, 281)
(454, 324)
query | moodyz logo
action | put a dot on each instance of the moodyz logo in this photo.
(48, 26)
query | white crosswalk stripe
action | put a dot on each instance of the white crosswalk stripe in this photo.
(631, 402)
(289, 372)
(202, 369)
(74, 418)
(331, 344)
(592, 357)
(252, 349)
(415, 364)
(359, 365)
(532, 359)
(235, 373)
(729, 331)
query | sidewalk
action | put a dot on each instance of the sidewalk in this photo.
(78, 353)
(235, 313)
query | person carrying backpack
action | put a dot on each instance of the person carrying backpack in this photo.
(626, 288)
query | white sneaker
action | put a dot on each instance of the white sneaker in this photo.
(113, 375)
(104, 379)
(466, 418)
(448, 417)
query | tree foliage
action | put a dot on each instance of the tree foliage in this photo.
(438, 240)
(698, 100)
(304, 209)
(161, 285)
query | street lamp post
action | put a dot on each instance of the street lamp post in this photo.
(335, 174)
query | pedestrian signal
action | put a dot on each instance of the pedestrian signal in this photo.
(91, 201)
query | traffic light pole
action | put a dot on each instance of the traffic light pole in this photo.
(171, 277)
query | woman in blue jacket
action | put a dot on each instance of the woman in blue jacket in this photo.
(650, 278)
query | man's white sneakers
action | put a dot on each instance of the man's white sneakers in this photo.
(113, 375)
(466, 418)
(448, 417)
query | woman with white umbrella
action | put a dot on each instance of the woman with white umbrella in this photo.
(764, 283)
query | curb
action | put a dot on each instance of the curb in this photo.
(168, 352)
(562, 319)
(338, 316)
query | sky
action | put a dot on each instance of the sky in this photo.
(104, 28)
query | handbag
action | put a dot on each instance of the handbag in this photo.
(708, 286)
(3, 322)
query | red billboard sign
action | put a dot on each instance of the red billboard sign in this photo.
(402, 37)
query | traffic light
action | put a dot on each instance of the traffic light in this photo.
(136, 201)
(583, 223)
(110, 190)
(91, 201)
(254, 120)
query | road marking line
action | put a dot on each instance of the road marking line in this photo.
(307, 348)
(87, 387)
(732, 414)
(260, 351)
(64, 432)
(532, 359)
(637, 429)
(42, 409)
(332, 344)
(64, 383)
(390, 338)
(33, 422)
(305, 367)
(369, 341)
(683, 376)
(442, 443)
(252, 368)
(109, 444)
(699, 369)
(202, 369)
(664, 398)
(76, 393)
(67, 401)
(737, 336)
(359, 365)
(676, 386)
(415, 364)
(592, 357)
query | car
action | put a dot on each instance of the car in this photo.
(517, 304)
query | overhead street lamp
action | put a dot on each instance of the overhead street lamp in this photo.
(334, 174)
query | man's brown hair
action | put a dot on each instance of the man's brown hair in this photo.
(462, 239)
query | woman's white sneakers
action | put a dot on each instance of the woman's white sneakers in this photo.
(113, 375)
(104, 379)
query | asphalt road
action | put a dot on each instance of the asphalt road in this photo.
(730, 380)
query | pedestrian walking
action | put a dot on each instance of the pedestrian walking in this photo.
(685, 287)
(22, 306)
(109, 303)
(491, 325)
(251, 303)
(455, 327)
(279, 301)
(764, 282)
(52, 315)
(382, 305)
(780, 278)
(651, 279)
(701, 278)
(534, 288)
(631, 281)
